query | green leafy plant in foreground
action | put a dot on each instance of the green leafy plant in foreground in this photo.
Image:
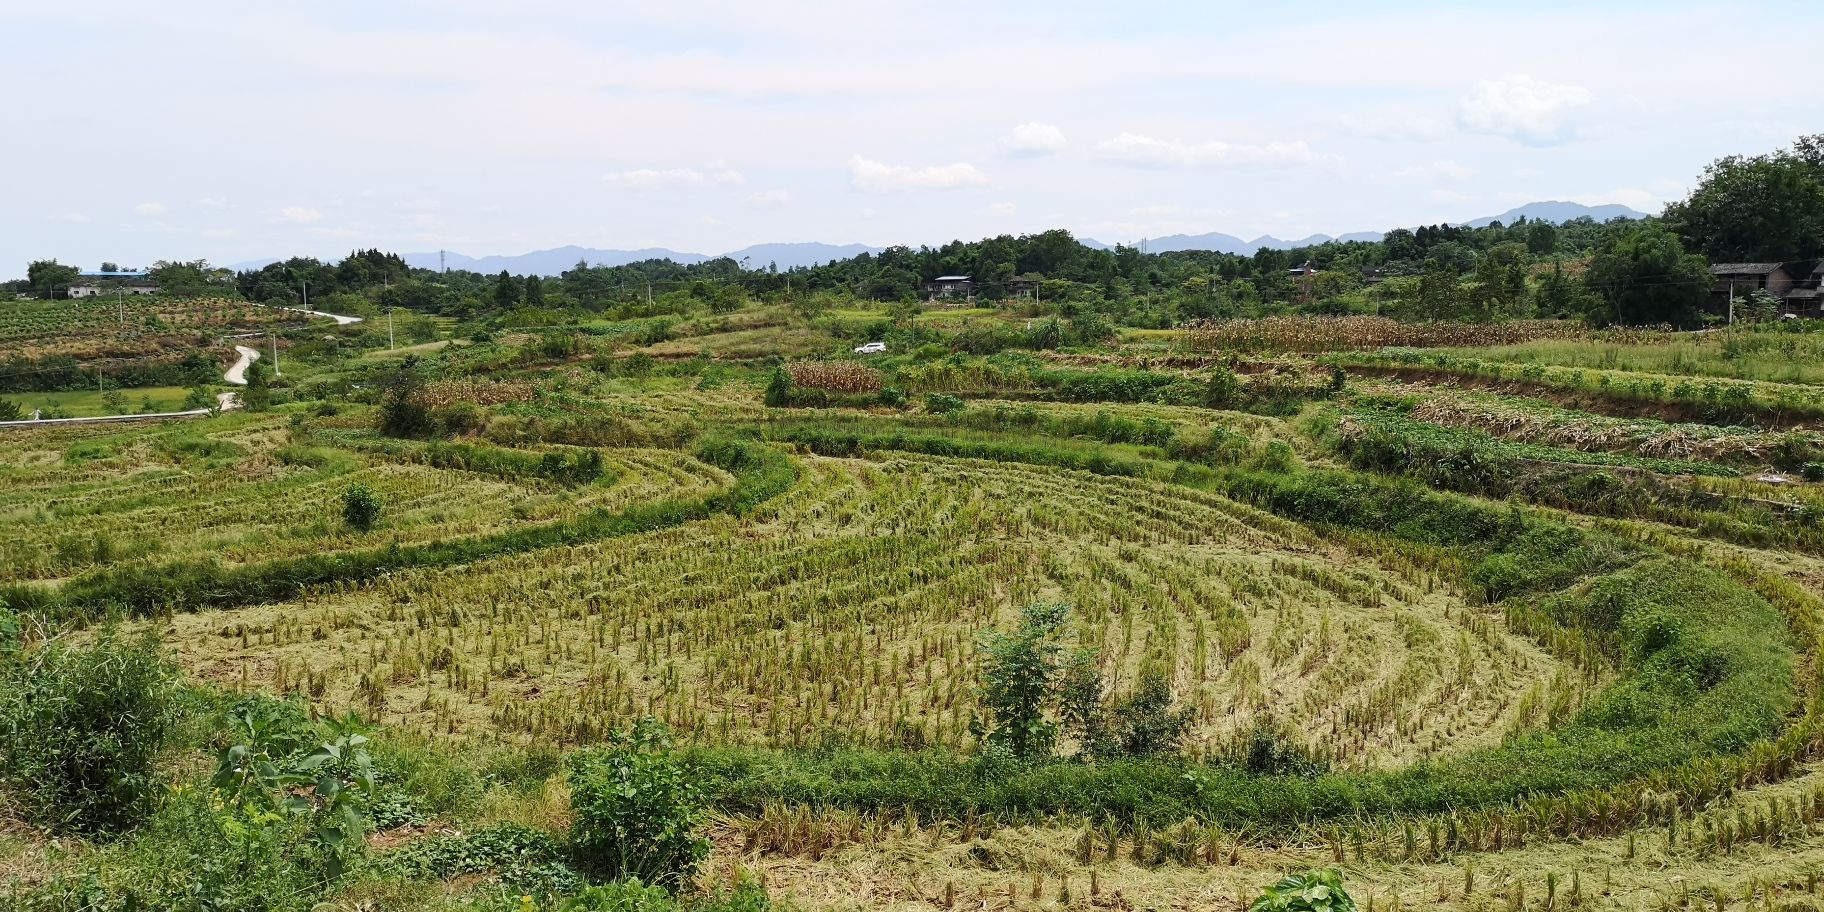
(1319, 890)
(280, 768)
(638, 809)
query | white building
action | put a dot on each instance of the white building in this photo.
(90, 284)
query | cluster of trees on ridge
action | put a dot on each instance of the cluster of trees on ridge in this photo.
(1760, 208)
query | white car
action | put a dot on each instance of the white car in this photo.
(872, 348)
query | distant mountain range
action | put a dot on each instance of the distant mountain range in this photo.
(1546, 211)
(790, 256)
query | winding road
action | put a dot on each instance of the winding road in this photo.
(236, 375)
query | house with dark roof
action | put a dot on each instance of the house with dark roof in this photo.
(953, 286)
(1795, 285)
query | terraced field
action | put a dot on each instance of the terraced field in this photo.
(1481, 637)
(851, 604)
(248, 495)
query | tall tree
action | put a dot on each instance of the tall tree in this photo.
(46, 276)
(506, 290)
(1759, 208)
(535, 291)
(1645, 277)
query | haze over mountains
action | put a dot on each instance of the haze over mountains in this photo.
(790, 255)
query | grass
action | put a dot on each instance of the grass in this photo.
(86, 403)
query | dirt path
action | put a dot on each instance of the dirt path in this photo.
(236, 375)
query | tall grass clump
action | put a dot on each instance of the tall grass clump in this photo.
(81, 731)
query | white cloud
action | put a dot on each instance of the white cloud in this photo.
(149, 209)
(1147, 152)
(770, 198)
(74, 218)
(709, 220)
(1442, 169)
(213, 202)
(672, 178)
(871, 175)
(1032, 140)
(1523, 109)
(301, 214)
(1003, 208)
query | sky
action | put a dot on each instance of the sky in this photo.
(234, 131)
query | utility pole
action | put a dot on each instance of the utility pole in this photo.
(120, 300)
(275, 352)
(306, 286)
(389, 329)
(1731, 302)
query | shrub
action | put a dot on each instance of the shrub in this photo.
(638, 809)
(1224, 390)
(403, 410)
(1145, 724)
(360, 508)
(1020, 671)
(779, 388)
(1313, 891)
(621, 896)
(80, 730)
(943, 403)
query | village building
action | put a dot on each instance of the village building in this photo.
(91, 284)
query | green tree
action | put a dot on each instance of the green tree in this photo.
(1560, 294)
(1645, 277)
(1757, 208)
(1500, 278)
(535, 291)
(403, 412)
(193, 278)
(1019, 671)
(257, 397)
(506, 290)
(47, 276)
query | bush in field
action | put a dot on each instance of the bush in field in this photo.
(403, 409)
(258, 395)
(1146, 724)
(80, 730)
(1312, 891)
(10, 411)
(638, 810)
(1020, 675)
(943, 403)
(1224, 390)
(360, 508)
(779, 388)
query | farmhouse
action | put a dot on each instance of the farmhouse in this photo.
(90, 284)
(955, 286)
(1796, 285)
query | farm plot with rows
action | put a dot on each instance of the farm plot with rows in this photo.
(78, 500)
(1479, 637)
(852, 603)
